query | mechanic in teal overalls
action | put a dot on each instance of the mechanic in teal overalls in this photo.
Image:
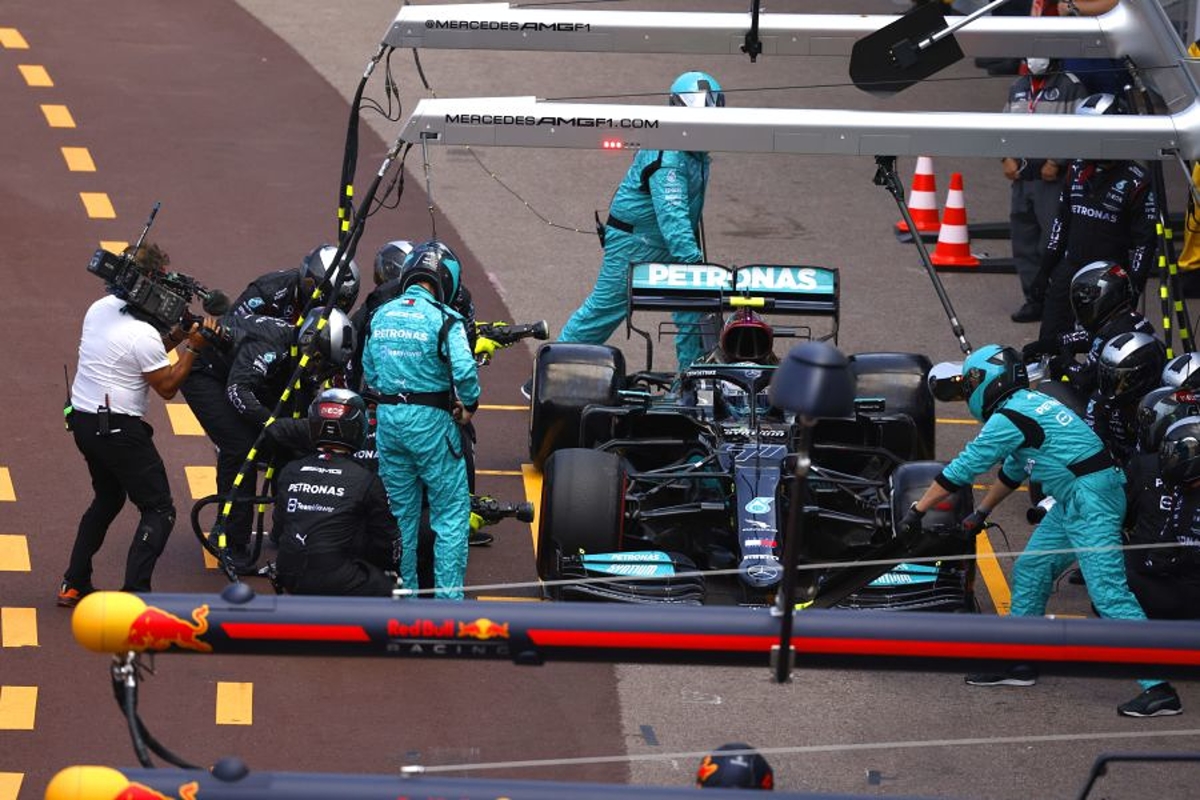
(654, 216)
(1034, 436)
(420, 367)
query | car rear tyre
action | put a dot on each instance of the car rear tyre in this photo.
(568, 377)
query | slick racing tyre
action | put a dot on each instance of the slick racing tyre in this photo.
(899, 379)
(568, 377)
(582, 507)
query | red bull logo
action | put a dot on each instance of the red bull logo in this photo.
(421, 629)
(482, 628)
(155, 629)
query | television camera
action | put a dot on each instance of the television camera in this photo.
(159, 297)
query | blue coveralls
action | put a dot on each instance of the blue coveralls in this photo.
(1038, 438)
(420, 445)
(655, 219)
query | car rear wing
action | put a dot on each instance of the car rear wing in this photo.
(778, 288)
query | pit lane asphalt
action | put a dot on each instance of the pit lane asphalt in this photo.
(241, 138)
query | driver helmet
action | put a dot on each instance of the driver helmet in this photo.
(436, 263)
(390, 259)
(735, 766)
(329, 345)
(1099, 104)
(747, 337)
(1099, 292)
(314, 267)
(991, 374)
(1158, 410)
(1179, 453)
(1182, 372)
(696, 89)
(338, 418)
(1130, 365)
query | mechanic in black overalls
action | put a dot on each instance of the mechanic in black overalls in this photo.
(1164, 509)
(284, 293)
(337, 534)
(1108, 213)
(1130, 365)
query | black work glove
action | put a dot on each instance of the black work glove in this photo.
(975, 522)
(1059, 366)
(910, 523)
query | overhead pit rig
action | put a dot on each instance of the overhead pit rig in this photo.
(1137, 30)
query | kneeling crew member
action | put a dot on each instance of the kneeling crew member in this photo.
(338, 536)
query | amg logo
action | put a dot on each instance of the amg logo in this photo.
(554, 122)
(497, 25)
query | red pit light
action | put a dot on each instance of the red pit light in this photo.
(612, 144)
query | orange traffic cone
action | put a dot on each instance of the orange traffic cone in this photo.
(922, 201)
(953, 243)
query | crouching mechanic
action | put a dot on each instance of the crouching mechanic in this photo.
(420, 365)
(337, 536)
(1035, 436)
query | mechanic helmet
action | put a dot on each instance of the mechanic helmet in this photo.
(747, 337)
(1158, 410)
(1130, 365)
(338, 418)
(735, 766)
(390, 259)
(1179, 453)
(696, 89)
(330, 345)
(1182, 372)
(436, 263)
(1097, 105)
(314, 267)
(991, 374)
(1099, 291)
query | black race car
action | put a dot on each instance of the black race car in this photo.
(662, 487)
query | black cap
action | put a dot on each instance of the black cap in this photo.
(735, 766)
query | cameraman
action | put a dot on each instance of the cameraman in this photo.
(121, 357)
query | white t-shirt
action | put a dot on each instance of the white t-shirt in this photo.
(115, 350)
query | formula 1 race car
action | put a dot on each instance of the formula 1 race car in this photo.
(662, 487)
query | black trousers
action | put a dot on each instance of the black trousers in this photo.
(233, 436)
(122, 464)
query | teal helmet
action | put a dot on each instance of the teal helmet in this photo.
(696, 89)
(991, 374)
(436, 263)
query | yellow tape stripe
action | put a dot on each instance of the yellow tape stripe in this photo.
(57, 116)
(235, 703)
(18, 627)
(6, 485)
(14, 552)
(10, 785)
(993, 576)
(18, 707)
(503, 472)
(503, 408)
(11, 39)
(35, 75)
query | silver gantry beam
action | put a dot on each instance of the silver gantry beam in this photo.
(1138, 29)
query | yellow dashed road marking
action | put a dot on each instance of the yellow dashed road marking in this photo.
(57, 116)
(18, 627)
(14, 552)
(35, 75)
(10, 785)
(533, 493)
(18, 707)
(79, 160)
(114, 246)
(504, 408)
(6, 485)
(993, 576)
(11, 39)
(97, 205)
(509, 472)
(201, 480)
(183, 421)
(235, 703)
